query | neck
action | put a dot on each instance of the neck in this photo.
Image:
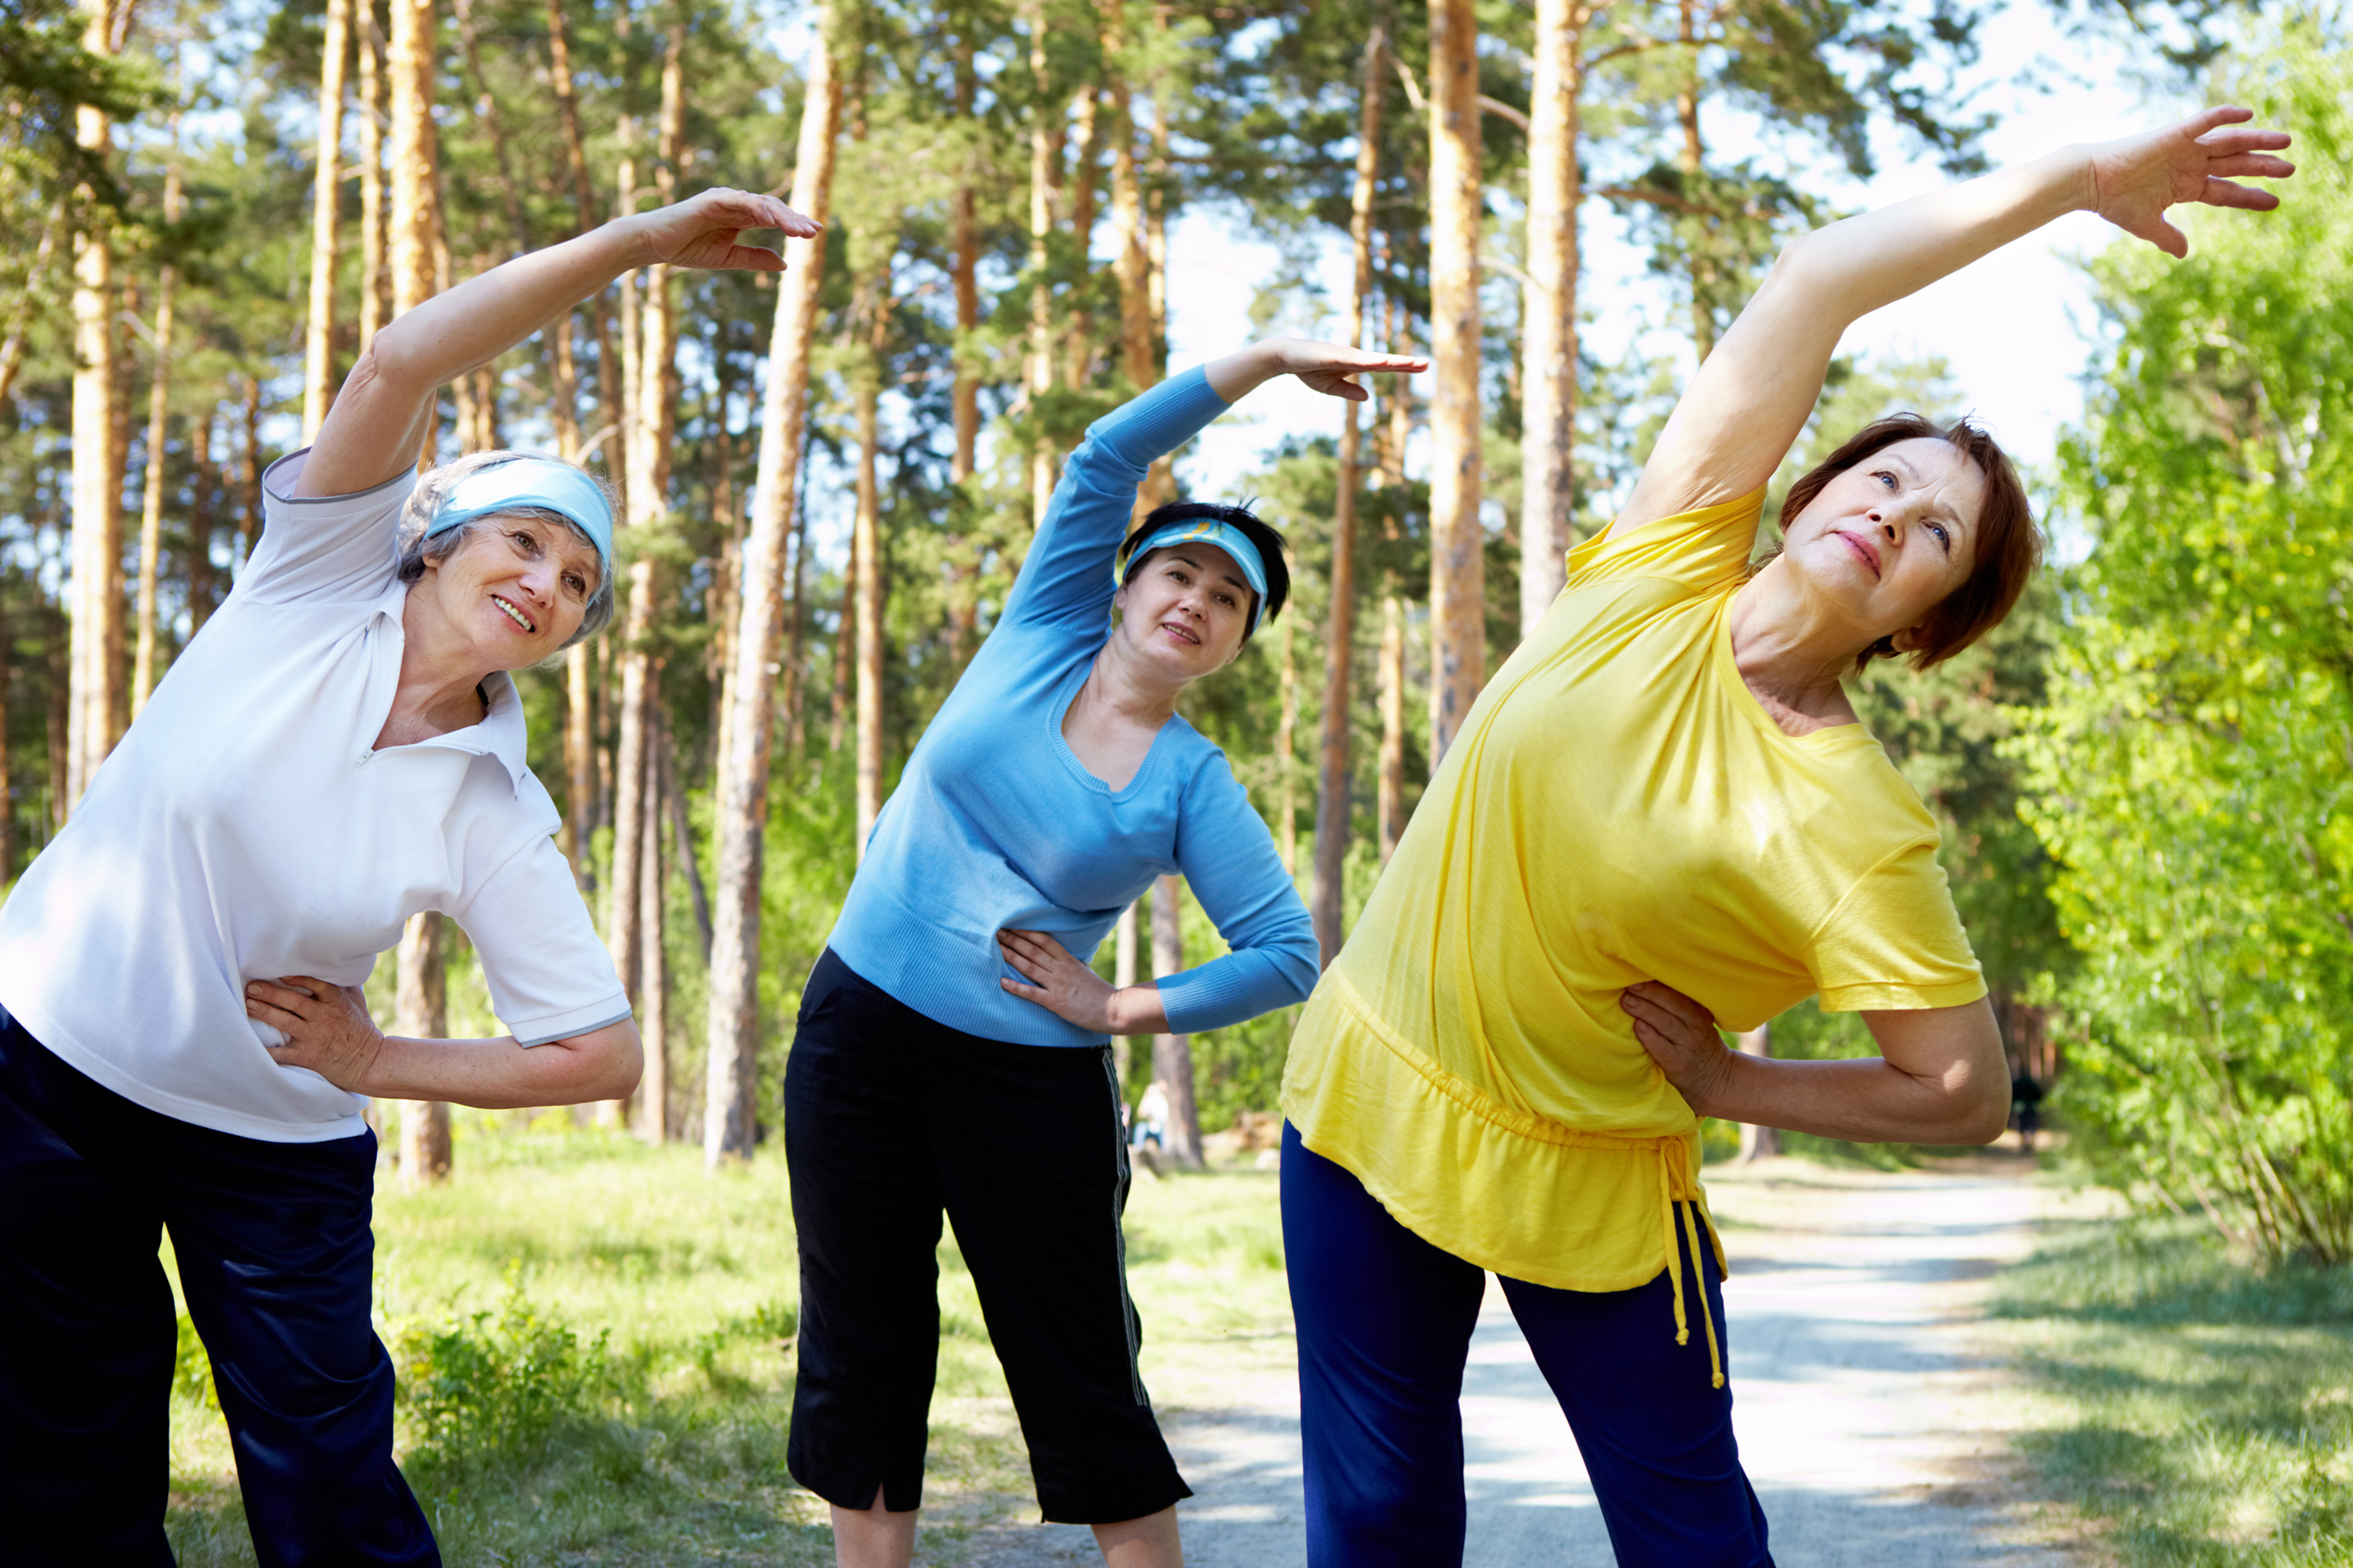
(439, 674)
(1791, 647)
(1123, 686)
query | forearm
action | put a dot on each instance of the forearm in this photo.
(480, 318)
(1138, 1010)
(1243, 372)
(1854, 267)
(501, 1074)
(1867, 1100)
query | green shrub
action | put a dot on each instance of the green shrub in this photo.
(489, 1387)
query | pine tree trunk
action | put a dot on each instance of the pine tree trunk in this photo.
(1123, 976)
(1690, 161)
(1172, 1055)
(653, 962)
(1458, 599)
(608, 369)
(326, 209)
(1160, 483)
(1391, 803)
(151, 511)
(732, 1073)
(7, 773)
(250, 467)
(868, 571)
(1286, 755)
(1045, 190)
(201, 505)
(1078, 343)
(371, 46)
(423, 1013)
(1332, 778)
(408, 66)
(579, 764)
(1548, 360)
(98, 501)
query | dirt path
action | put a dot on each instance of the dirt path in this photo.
(1868, 1420)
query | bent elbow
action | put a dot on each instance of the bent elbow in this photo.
(627, 1066)
(1988, 1117)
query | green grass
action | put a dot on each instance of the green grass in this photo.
(595, 1340)
(2200, 1413)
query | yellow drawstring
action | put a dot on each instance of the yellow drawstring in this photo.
(1674, 1252)
(1675, 1273)
(1715, 1356)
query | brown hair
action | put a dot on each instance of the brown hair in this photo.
(2008, 545)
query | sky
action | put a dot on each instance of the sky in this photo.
(2017, 327)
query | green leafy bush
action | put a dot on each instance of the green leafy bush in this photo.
(2192, 772)
(490, 1388)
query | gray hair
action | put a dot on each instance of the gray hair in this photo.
(414, 547)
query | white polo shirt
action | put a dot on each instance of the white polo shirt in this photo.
(247, 828)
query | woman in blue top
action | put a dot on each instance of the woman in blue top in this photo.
(1055, 785)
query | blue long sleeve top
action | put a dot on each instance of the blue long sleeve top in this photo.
(995, 823)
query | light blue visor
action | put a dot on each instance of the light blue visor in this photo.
(1205, 531)
(540, 482)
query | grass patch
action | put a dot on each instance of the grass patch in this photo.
(2202, 1411)
(595, 1344)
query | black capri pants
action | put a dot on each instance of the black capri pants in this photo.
(891, 1120)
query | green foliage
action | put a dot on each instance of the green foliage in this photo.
(2202, 1411)
(490, 1387)
(2192, 773)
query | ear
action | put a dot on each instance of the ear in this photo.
(1118, 597)
(1909, 639)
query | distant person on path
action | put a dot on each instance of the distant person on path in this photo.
(183, 1045)
(953, 1053)
(1660, 817)
(2026, 1107)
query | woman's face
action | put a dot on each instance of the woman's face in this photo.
(516, 589)
(1888, 540)
(1186, 609)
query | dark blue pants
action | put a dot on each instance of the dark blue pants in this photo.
(274, 1251)
(1385, 1321)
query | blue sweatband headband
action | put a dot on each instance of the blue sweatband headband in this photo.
(1206, 531)
(539, 482)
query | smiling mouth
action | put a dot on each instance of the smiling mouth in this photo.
(514, 615)
(1173, 629)
(1864, 552)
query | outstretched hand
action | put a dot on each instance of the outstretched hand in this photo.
(327, 1027)
(1327, 367)
(1680, 1035)
(702, 230)
(2135, 179)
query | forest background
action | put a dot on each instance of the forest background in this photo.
(205, 211)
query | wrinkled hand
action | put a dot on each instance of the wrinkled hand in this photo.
(1060, 984)
(702, 230)
(1327, 367)
(1681, 1036)
(327, 1027)
(2135, 179)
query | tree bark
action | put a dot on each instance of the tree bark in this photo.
(8, 775)
(326, 210)
(249, 466)
(650, 332)
(1123, 976)
(731, 1075)
(205, 482)
(1457, 635)
(1171, 1054)
(423, 1013)
(1078, 345)
(1758, 1142)
(96, 594)
(1045, 191)
(151, 511)
(1333, 773)
(1390, 808)
(370, 44)
(608, 369)
(1548, 361)
(870, 575)
(1286, 755)
(1691, 159)
(653, 962)
(408, 66)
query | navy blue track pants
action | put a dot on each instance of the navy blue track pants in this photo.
(274, 1251)
(1385, 1321)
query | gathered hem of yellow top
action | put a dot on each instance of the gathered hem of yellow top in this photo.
(1555, 1206)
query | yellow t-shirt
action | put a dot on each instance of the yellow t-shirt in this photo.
(1617, 808)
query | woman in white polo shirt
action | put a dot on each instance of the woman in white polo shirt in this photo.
(183, 1044)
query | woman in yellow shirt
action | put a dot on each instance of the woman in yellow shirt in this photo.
(1661, 815)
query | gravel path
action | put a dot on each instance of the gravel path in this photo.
(1868, 1422)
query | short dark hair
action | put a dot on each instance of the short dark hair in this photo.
(1243, 521)
(2007, 548)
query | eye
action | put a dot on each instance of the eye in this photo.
(1944, 537)
(1226, 599)
(578, 584)
(525, 542)
(1884, 474)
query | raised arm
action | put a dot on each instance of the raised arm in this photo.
(1753, 395)
(383, 412)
